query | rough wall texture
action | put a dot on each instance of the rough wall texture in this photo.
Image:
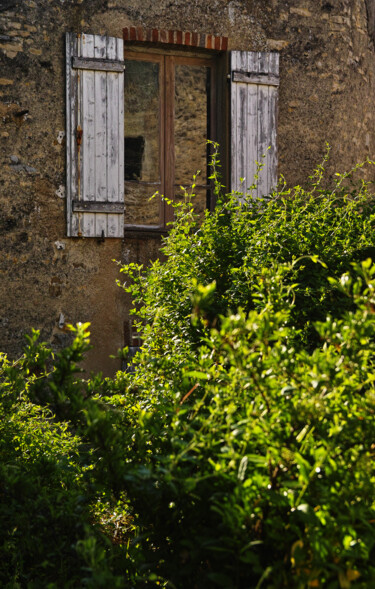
(370, 5)
(327, 93)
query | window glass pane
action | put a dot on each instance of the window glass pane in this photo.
(142, 142)
(191, 124)
(142, 112)
(139, 209)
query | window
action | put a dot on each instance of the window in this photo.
(168, 119)
(172, 102)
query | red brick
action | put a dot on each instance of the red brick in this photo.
(133, 34)
(186, 38)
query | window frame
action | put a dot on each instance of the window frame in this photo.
(169, 58)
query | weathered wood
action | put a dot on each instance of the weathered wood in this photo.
(252, 137)
(95, 107)
(263, 129)
(93, 63)
(273, 114)
(115, 138)
(121, 136)
(88, 146)
(254, 91)
(97, 207)
(71, 123)
(252, 78)
(101, 125)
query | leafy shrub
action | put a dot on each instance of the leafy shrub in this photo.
(237, 241)
(262, 474)
(49, 535)
(239, 453)
(249, 434)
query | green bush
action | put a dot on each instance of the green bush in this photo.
(50, 532)
(239, 452)
(238, 240)
(262, 473)
(263, 477)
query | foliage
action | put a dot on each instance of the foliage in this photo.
(47, 536)
(262, 474)
(241, 238)
(238, 452)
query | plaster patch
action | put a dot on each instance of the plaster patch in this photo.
(61, 320)
(60, 137)
(60, 192)
(232, 6)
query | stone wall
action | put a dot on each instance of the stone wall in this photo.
(327, 93)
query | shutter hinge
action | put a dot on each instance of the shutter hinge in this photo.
(79, 136)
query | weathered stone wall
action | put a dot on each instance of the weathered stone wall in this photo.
(327, 93)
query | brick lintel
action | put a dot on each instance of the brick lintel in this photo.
(186, 38)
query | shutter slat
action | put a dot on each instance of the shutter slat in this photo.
(71, 125)
(243, 123)
(113, 138)
(253, 119)
(101, 132)
(121, 138)
(273, 112)
(88, 151)
(263, 127)
(95, 104)
(252, 122)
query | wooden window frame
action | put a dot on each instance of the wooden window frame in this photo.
(168, 60)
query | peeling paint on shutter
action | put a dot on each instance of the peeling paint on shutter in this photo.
(254, 94)
(95, 136)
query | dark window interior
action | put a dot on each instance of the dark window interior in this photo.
(134, 156)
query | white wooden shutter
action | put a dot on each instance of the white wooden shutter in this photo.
(95, 135)
(254, 95)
